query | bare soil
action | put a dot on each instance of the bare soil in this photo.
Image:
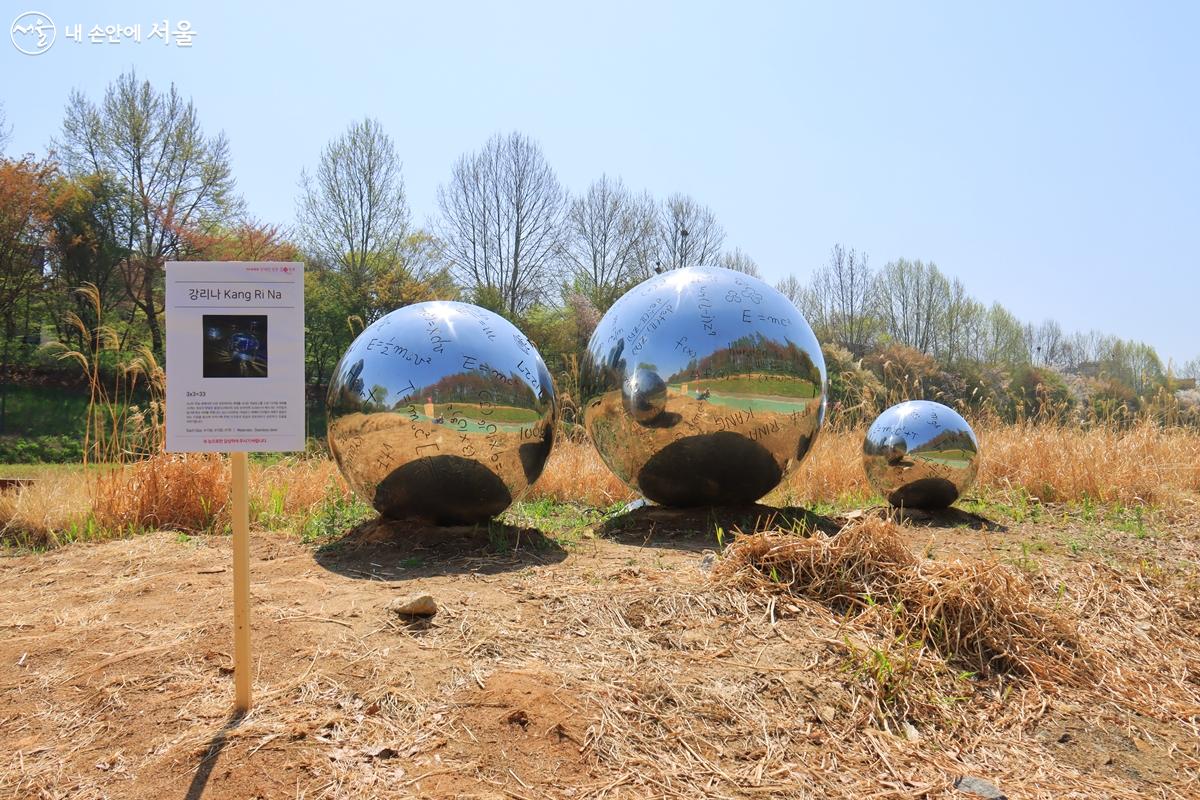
(609, 666)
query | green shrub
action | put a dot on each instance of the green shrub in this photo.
(1040, 392)
(62, 449)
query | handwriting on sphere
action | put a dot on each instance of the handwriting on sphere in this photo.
(920, 454)
(703, 386)
(442, 411)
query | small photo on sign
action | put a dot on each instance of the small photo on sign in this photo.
(235, 345)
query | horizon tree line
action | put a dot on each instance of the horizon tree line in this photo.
(133, 180)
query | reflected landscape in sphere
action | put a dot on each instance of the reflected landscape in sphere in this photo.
(441, 411)
(920, 454)
(703, 386)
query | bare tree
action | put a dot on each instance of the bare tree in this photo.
(1044, 343)
(353, 215)
(804, 298)
(1190, 369)
(792, 288)
(169, 177)
(1143, 369)
(608, 236)
(961, 309)
(843, 299)
(911, 298)
(735, 259)
(688, 234)
(502, 222)
(1083, 351)
(967, 336)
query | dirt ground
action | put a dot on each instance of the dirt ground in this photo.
(607, 666)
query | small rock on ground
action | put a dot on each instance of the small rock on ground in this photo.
(419, 605)
(979, 787)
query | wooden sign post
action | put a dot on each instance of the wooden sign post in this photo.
(242, 666)
(235, 384)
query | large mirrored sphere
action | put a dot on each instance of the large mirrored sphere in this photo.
(920, 454)
(703, 386)
(442, 411)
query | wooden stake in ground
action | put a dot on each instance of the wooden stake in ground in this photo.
(241, 580)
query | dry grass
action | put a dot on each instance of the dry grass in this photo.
(191, 492)
(172, 491)
(43, 511)
(576, 474)
(1146, 463)
(833, 469)
(294, 487)
(869, 701)
(1142, 464)
(976, 616)
(168, 491)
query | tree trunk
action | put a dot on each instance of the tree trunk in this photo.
(4, 381)
(156, 337)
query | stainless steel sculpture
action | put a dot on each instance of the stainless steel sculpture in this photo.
(703, 386)
(920, 454)
(443, 411)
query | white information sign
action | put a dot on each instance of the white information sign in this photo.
(235, 356)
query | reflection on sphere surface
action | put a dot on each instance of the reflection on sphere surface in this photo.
(703, 386)
(443, 411)
(920, 454)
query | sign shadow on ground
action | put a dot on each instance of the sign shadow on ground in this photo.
(215, 745)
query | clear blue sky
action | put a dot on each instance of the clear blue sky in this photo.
(1048, 154)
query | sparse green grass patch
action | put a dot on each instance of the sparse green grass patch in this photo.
(335, 514)
(567, 523)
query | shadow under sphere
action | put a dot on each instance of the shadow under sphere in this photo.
(703, 386)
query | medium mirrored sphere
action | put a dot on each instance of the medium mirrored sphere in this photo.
(920, 454)
(442, 411)
(703, 386)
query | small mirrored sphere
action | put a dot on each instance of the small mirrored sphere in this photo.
(644, 394)
(703, 386)
(442, 411)
(920, 454)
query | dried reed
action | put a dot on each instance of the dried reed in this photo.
(1145, 463)
(294, 486)
(117, 429)
(575, 473)
(174, 491)
(1142, 464)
